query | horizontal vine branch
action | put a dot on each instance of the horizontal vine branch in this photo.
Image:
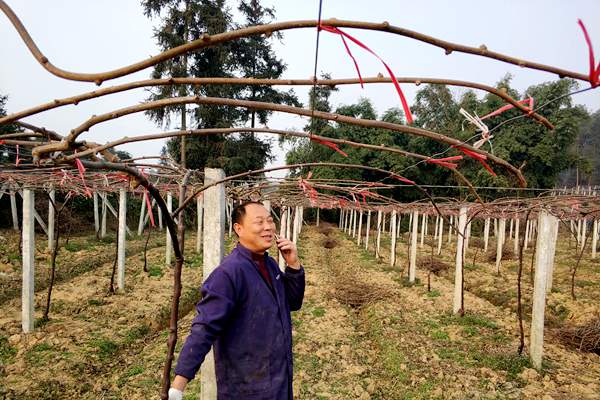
(65, 145)
(269, 82)
(211, 40)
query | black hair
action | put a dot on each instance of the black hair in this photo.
(239, 211)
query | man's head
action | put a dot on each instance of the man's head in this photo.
(254, 226)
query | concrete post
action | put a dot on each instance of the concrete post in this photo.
(594, 238)
(550, 255)
(542, 258)
(51, 213)
(160, 219)
(377, 247)
(282, 232)
(510, 229)
(142, 216)
(368, 230)
(500, 243)
(516, 240)
(354, 215)
(468, 235)
(584, 225)
(267, 205)
(423, 224)
(28, 263)
(486, 234)
(288, 226)
(13, 209)
(103, 220)
(527, 225)
(359, 236)
(296, 224)
(318, 210)
(440, 236)
(229, 215)
(393, 239)
(169, 244)
(199, 219)
(96, 214)
(412, 269)
(457, 304)
(214, 251)
(341, 218)
(450, 227)
(122, 239)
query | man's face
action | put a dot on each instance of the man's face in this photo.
(256, 230)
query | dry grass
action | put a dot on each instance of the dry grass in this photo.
(432, 265)
(507, 253)
(584, 337)
(357, 294)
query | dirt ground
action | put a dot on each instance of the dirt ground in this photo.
(362, 333)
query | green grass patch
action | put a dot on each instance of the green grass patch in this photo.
(105, 348)
(434, 293)
(74, 246)
(95, 302)
(439, 335)
(194, 261)
(155, 271)
(470, 331)
(513, 364)
(468, 320)
(7, 352)
(39, 354)
(133, 371)
(318, 312)
(136, 333)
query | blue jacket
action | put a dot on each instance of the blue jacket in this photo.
(249, 325)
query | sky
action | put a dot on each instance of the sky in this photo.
(94, 36)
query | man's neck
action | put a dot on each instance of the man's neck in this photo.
(260, 253)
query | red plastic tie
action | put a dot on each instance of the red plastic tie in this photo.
(479, 157)
(328, 144)
(529, 101)
(594, 76)
(81, 169)
(445, 162)
(337, 31)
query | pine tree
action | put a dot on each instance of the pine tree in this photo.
(187, 20)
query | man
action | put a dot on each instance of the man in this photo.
(245, 314)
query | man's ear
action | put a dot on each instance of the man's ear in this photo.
(237, 228)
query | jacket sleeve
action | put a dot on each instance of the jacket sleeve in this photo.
(213, 312)
(294, 283)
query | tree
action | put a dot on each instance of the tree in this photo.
(187, 20)
(520, 141)
(256, 59)
(7, 153)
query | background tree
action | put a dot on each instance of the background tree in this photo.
(182, 21)
(522, 142)
(7, 153)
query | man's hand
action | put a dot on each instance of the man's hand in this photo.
(177, 387)
(289, 252)
(175, 394)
